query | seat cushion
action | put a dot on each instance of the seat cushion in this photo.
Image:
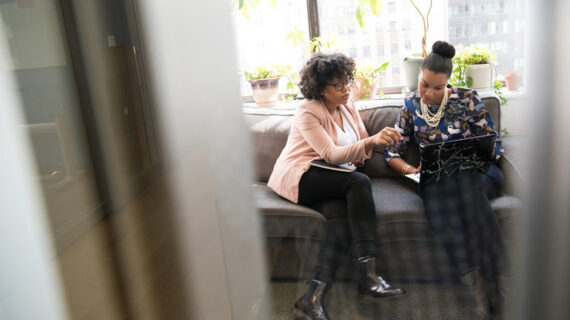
(283, 218)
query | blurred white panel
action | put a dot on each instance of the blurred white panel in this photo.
(29, 282)
(191, 53)
(545, 282)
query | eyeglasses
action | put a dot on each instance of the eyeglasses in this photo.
(339, 86)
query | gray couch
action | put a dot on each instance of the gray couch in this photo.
(406, 246)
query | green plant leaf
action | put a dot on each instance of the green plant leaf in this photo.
(468, 81)
(240, 6)
(359, 17)
(376, 7)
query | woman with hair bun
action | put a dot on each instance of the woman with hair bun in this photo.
(328, 127)
(457, 208)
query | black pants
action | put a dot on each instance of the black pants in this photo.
(462, 219)
(345, 199)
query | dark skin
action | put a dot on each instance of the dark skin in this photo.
(430, 87)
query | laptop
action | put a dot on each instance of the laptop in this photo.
(447, 159)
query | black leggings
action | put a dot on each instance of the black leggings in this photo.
(345, 199)
(463, 221)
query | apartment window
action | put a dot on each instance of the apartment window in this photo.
(394, 48)
(380, 50)
(391, 7)
(395, 68)
(492, 28)
(493, 25)
(366, 52)
(379, 27)
(351, 29)
(352, 52)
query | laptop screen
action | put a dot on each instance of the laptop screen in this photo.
(446, 159)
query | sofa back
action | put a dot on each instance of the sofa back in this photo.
(269, 128)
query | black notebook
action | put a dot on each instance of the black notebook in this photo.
(325, 165)
(447, 159)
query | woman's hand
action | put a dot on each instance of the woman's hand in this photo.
(387, 136)
(413, 170)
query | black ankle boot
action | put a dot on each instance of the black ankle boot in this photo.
(311, 305)
(480, 290)
(372, 284)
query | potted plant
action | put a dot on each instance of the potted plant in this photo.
(264, 82)
(412, 63)
(367, 81)
(475, 67)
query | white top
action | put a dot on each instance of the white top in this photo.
(345, 137)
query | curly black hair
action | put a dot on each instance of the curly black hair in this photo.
(322, 68)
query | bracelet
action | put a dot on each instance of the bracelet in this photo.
(405, 169)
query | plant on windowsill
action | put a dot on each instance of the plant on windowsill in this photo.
(367, 81)
(474, 67)
(264, 82)
(412, 63)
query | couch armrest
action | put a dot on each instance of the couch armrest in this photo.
(514, 164)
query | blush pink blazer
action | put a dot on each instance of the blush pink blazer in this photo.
(313, 135)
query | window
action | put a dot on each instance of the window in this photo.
(394, 48)
(391, 7)
(395, 68)
(260, 40)
(380, 50)
(352, 52)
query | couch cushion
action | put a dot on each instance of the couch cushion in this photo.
(283, 218)
(269, 134)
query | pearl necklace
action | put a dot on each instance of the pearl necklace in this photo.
(433, 119)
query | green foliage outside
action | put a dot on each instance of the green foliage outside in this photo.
(367, 6)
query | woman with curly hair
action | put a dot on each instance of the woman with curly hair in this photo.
(328, 127)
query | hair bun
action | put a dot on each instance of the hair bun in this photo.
(443, 49)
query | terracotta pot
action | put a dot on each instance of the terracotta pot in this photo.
(265, 91)
(362, 89)
(513, 80)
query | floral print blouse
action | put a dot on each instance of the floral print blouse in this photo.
(465, 116)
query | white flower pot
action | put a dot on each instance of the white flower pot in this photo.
(483, 75)
(265, 91)
(411, 70)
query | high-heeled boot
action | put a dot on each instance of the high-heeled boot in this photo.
(480, 291)
(311, 305)
(371, 283)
